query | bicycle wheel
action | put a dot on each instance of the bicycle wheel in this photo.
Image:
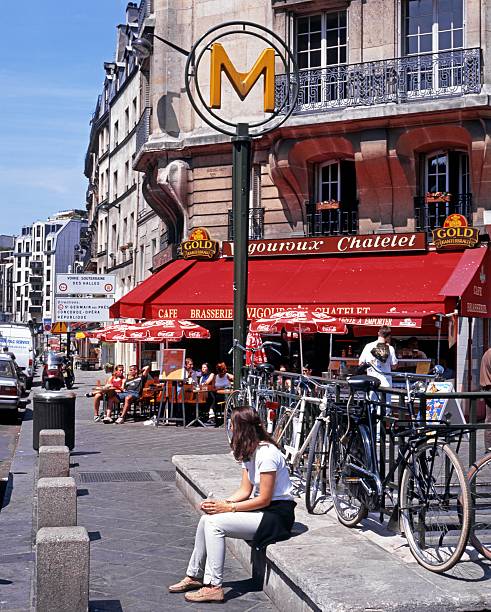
(347, 448)
(284, 432)
(317, 493)
(262, 410)
(235, 400)
(435, 505)
(479, 477)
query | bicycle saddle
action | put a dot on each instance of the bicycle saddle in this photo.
(363, 383)
(266, 368)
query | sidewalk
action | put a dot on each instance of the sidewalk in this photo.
(141, 527)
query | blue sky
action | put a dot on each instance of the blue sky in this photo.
(50, 75)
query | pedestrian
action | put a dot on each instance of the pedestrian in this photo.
(380, 357)
(485, 382)
(264, 518)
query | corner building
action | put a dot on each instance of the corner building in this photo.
(393, 106)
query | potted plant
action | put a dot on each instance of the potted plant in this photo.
(433, 197)
(328, 205)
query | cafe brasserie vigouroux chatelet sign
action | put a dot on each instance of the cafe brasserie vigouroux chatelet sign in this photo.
(199, 245)
(455, 234)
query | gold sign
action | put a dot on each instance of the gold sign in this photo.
(455, 234)
(242, 82)
(199, 245)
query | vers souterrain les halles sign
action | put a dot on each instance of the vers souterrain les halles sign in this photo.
(339, 245)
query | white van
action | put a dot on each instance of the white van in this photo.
(20, 341)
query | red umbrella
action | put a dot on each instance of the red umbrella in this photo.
(303, 320)
(166, 330)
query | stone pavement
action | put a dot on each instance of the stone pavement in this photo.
(141, 528)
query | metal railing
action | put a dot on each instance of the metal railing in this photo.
(143, 129)
(332, 223)
(144, 10)
(256, 224)
(430, 215)
(403, 79)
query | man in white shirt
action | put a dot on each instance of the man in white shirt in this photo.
(378, 366)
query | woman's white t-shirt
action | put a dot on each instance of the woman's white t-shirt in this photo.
(268, 458)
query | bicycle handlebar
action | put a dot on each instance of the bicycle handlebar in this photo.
(255, 349)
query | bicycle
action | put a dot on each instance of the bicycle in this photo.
(479, 477)
(254, 390)
(433, 496)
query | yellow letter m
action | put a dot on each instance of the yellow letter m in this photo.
(242, 82)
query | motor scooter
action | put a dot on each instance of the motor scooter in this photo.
(67, 371)
(52, 377)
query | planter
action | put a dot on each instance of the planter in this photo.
(327, 205)
(437, 197)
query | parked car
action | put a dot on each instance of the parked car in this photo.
(10, 388)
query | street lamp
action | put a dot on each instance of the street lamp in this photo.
(143, 48)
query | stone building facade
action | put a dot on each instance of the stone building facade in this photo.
(393, 106)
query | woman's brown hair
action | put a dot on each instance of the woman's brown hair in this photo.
(248, 432)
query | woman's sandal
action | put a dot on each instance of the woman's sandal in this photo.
(186, 584)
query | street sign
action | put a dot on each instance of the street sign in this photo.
(59, 328)
(86, 310)
(85, 284)
(47, 325)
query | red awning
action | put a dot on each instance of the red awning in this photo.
(362, 290)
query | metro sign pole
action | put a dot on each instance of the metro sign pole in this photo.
(276, 112)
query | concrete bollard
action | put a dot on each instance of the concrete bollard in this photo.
(62, 569)
(54, 462)
(52, 437)
(57, 502)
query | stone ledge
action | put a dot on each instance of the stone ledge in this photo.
(329, 567)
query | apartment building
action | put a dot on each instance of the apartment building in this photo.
(42, 250)
(6, 277)
(388, 137)
(125, 232)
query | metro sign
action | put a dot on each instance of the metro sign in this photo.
(242, 82)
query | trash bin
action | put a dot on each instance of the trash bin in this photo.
(54, 410)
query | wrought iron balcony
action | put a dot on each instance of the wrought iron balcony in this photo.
(430, 215)
(332, 223)
(403, 79)
(256, 224)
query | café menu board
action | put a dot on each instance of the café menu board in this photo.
(337, 245)
(173, 364)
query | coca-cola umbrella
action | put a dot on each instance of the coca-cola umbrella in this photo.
(303, 320)
(103, 332)
(166, 330)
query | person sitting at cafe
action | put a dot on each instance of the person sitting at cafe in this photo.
(223, 379)
(132, 389)
(413, 349)
(114, 382)
(190, 374)
(206, 377)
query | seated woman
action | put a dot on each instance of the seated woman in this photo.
(223, 380)
(113, 383)
(264, 518)
(206, 377)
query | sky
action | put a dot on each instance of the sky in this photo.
(50, 76)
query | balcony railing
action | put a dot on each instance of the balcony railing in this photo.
(256, 224)
(332, 223)
(431, 215)
(403, 79)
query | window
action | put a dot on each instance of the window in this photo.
(321, 40)
(142, 262)
(48, 260)
(38, 245)
(114, 238)
(321, 43)
(48, 305)
(434, 26)
(127, 174)
(26, 276)
(125, 229)
(131, 227)
(135, 111)
(127, 120)
(154, 246)
(48, 290)
(38, 231)
(335, 210)
(48, 275)
(115, 184)
(116, 132)
(18, 276)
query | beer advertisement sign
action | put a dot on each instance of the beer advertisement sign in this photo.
(455, 234)
(199, 245)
